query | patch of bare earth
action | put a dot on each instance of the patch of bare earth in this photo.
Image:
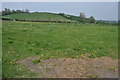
(103, 67)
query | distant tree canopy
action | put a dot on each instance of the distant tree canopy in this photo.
(62, 14)
(7, 11)
(83, 19)
(92, 19)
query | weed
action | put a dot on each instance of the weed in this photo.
(112, 68)
(48, 69)
(37, 61)
(92, 56)
(10, 41)
(92, 76)
(37, 53)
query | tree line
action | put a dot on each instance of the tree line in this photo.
(7, 11)
(82, 18)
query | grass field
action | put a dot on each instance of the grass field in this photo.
(43, 16)
(1, 49)
(54, 40)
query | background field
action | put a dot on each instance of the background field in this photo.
(54, 40)
(43, 16)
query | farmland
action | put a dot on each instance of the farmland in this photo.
(43, 16)
(22, 40)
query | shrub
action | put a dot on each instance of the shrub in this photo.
(62, 14)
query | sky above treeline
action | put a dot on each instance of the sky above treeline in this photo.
(100, 10)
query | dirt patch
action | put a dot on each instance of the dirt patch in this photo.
(103, 67)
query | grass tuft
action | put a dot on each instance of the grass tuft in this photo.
(37, 61)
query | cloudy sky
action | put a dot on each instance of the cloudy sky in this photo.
(101, 10)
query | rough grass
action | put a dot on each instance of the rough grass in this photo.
(55, 40)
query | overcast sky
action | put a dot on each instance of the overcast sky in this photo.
(100, 10)
(60, 0)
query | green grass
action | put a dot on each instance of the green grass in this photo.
(43, 16)
(0, 49)
(28, 39)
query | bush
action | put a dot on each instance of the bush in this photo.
(62, 14)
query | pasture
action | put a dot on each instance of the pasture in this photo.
(43, 16)
(54, 40)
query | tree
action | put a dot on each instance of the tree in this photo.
(13, 11)
(82, 17)
(26, 10)
(92, 19)
(6, 11)
(23, 11)
(0, 13)
(18, 11)
(62, 14)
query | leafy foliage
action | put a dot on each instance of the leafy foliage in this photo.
(91, 19)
